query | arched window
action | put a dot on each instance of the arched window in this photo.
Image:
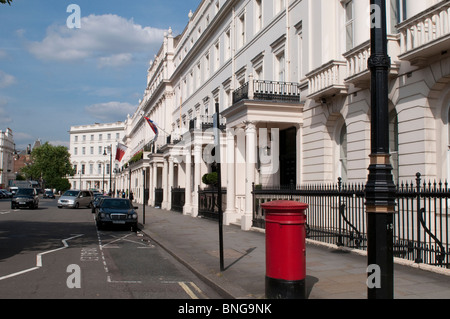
(343, 153)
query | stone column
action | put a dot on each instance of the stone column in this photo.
(197, 176)
(250, 159)
(170, 184)
(187, 209)
(229, 215)
(165, 184)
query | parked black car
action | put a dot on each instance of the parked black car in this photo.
(116, 212)
(96, 202)
(49, 194)
(25, 197)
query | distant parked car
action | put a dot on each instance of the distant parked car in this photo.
(49, 194)
(75, 199)
(25, 197)
(5, 194)
(97, 201)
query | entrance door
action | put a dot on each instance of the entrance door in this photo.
(288, 156)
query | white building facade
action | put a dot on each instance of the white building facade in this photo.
(7, 148)
(293, 88)
(93, 153)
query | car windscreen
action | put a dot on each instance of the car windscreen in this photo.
(116, 203)
(25, 191)
(71, 193)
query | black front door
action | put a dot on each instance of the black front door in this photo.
(288, 156)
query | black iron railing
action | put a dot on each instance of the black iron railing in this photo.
(337, 215)
(268, 91)
(159, 197)
(178, 199)
(208, 203)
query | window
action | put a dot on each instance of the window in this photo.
(279, 5)
(207, 66)
(258, 15)
(343, 153)
(280, 67)
(393, 144)
(217, 56)
(75, 151)
(397, 13)
(91, 169)
(100, 150)
(91, 151)
(241, 30)
(227, 44)
(349, 22)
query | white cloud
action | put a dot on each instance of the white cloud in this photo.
(110, 39)
(6, 79)
(115, 60)
(111, 111)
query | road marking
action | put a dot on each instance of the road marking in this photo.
(39, 259)
(123, 282)
(189, 291)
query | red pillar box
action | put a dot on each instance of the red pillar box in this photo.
(285, 249)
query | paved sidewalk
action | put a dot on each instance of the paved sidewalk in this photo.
(331, 273)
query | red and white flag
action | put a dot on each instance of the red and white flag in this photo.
(121, 150)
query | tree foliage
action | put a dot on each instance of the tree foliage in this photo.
(6, 1)
(51, 164)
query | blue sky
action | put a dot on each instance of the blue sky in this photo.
(53, 77)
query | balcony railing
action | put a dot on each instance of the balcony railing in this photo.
(357, 58)
(268, 91)
(327, 80)
(428, 31)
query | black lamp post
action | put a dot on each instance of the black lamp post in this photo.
(380, 187)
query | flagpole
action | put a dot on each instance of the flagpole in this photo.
(157, 126)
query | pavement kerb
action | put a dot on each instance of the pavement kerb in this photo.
(219, 288)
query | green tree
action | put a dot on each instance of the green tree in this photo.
(6, 1)
(52, 164)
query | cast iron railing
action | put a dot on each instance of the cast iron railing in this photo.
(208, 204)
(337, 215)
(268, 91)
(178, 199)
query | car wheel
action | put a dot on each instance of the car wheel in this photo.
(77, 205)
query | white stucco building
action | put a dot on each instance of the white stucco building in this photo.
(91, 150)
(292, 83)
(7, 148)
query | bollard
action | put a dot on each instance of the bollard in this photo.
(285, 249)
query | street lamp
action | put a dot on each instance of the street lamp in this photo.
(380, 187)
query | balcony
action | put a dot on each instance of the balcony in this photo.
(425, 35)
(205, 122)
(327, 80)
(358, 72)
(268, 91)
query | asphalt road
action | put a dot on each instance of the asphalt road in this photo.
(59, 254)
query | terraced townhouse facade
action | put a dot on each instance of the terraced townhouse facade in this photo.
(293, 88)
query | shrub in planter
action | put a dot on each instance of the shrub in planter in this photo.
(210, 179)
